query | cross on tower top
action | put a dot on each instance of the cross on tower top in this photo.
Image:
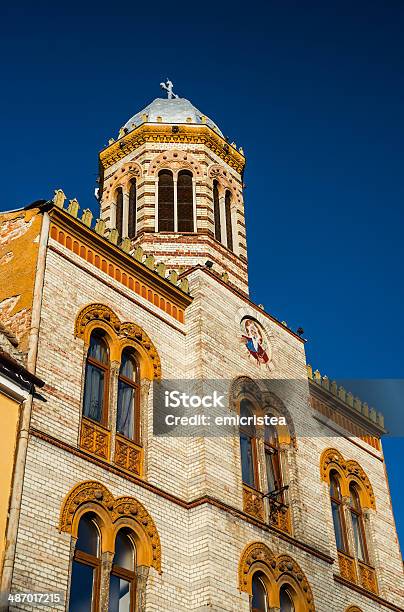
(168, 86)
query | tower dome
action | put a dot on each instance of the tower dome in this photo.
(172, 111)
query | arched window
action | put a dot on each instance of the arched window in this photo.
(185, 207)
(229, 229)
(259, 594)
(286, 600)
(122, 585)
(119, 210)
(248, 444)
(127, 422)
(166, 202)
(272, 460)
(337, 512)
(358, 525)
(86, 566)
(216, 211)
(95, 403)
(132, 209)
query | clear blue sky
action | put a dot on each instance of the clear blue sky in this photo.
(313, 91)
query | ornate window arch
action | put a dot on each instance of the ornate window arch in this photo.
(261, 445)
(121, 178)
(133, 363)
(350, 472)
(120, 334)
(355, 495)
(277, 572)
(112, 517)
(353, 609)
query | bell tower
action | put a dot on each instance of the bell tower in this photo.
(172, 185)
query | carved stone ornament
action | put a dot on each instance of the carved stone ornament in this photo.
(276, 568)
(96, 495)
(350, 471)
(121, 178)
(175, 160)
(225, 181)
(120, 332)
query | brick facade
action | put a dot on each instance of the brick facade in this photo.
(191, 486)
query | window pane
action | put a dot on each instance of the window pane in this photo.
(166, 202)
(246, 411)
(271, 475)
(286, 601)
(125, 422)
(354, 499)
(119, 594)
(124, 551)
(216, 211)
(271, 435)
(185, 209)
(334, 487)
(229, 229)
(247, 460)
(98, 350)
(357, 533)
(88, 536)
(132, 210)
(128, 366)
(119, 210)
(259, 595)
(337, 526)
(93, 393)
(81, 590)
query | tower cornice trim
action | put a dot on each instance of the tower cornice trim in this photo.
(186, 134)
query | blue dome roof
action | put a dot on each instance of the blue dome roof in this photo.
(172, 111)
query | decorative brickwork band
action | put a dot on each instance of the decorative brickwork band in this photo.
(121, 334)
(350, 471)
(277, 571)
(113, 514)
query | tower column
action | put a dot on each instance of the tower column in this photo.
(112, 214)
(125, 214)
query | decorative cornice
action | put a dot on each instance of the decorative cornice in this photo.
(144, 277)
(353, 405)
(187, 134)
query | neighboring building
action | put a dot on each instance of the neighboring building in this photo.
(16, 387)
(113, 516)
